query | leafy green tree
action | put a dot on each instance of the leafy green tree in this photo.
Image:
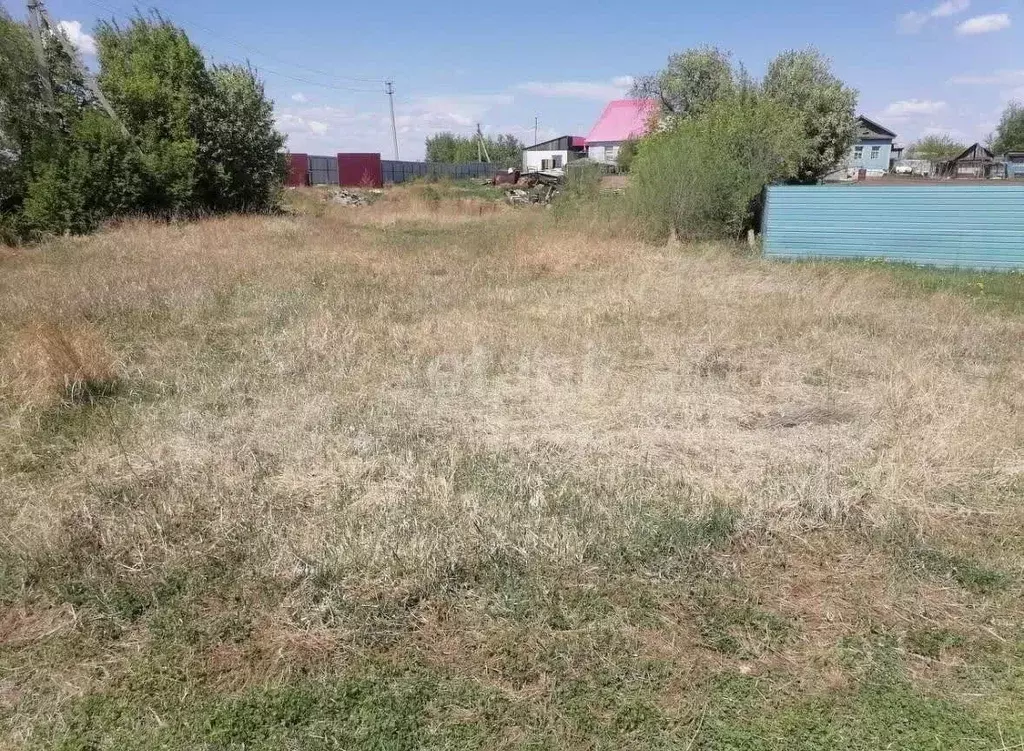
(935, 147)
(1009, 135)
(31, 129)
(703, 178)
(241, 143)
(97, 175)
(690, 82)
(157, 82)
(505, 151)
(803, 80)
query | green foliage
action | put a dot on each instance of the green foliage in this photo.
(198, 139)
(505, 151)
(704, 177)
(1009, 135)
(627, 153)
(242, 146)
(582, 180)
(803, 80)
(31, 130)
(691, 82)
(696, 80)
(936, 147)
(97, 175)
(158, 84)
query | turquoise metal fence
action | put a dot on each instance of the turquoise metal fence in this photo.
(972, 226)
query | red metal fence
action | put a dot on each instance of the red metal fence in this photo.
(360, 170)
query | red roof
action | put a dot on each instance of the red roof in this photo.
(623, 119)
(577, 141)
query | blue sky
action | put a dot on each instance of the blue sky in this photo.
(921, 66)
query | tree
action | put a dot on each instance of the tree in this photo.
(505, 151)
(803, 80)
(1009, 135)
(241, 143)
(936, 147)
(97, 174)
(703, 177)
(207, 136)
(157, 82)
(31, 129)
(690, 82)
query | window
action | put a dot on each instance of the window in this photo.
(858, 152)
(557, 161)
(875, 151)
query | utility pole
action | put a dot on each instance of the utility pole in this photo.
(87, 76)
(534, 130)
(481, 144)
(37, 43)
(389, 88)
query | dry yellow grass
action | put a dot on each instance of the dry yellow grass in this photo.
(801, 396)
(385, 395)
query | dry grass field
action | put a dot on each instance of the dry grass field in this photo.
(437, 474)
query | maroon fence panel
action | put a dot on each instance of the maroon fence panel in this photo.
(298, 170)
(360, 170)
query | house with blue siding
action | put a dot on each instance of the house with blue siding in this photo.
(871, 151)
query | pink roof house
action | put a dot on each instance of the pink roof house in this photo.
(621, 120)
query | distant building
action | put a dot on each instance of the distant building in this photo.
(872, 149)
(621, 121)
(555, 153)
(975, 162)
(872, 152)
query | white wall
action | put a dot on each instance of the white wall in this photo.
(532, 159)
(608, 153)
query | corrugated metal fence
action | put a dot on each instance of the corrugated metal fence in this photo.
(975, 226)
(365, 169)
(397, 172)
(323, 170)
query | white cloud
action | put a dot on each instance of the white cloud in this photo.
(85, 43)
(317, 128)
(999, 77)
(984, 24)
(950, 8)
(913, 107)
(298, 96)
(915, 20)
(613, 88)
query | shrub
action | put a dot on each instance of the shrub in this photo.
(703, 178)
(198, 139)
(582, 187)
(243, 148)
(627, 154)
(97, 175)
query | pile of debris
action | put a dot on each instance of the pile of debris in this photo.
(536, 187)
(346, 197)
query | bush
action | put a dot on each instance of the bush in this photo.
(582, 186)
(704, 177)
(627, 155)
(199, 139)
(97, 175)
(248, 167)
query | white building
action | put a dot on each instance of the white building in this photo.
(552, 154)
